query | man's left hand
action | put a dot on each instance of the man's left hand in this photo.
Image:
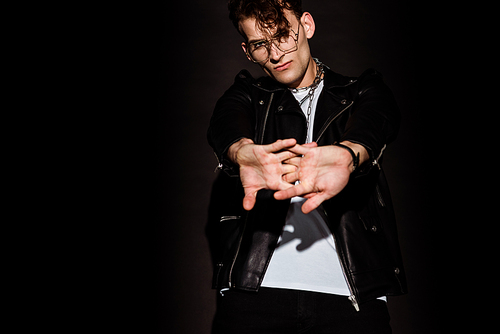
(323, 172)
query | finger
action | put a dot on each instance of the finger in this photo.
(280, 145)
(290, 178)
(313, 202)
(295, 161)
(287, 169)
(290, 192)
(285, 155)
(285, 185)
(300, 149)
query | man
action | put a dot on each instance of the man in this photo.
(301, 224)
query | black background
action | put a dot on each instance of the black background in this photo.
(190, 54)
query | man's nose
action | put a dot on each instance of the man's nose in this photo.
(275, 54)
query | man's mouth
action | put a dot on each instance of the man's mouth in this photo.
(283, 67)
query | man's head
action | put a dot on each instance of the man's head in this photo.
(276, 34)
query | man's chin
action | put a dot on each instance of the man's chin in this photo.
(287, 79)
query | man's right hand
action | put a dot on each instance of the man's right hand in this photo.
(261, 166)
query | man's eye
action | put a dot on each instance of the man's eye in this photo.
(258, 45)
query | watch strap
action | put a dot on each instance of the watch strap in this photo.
(355, 157)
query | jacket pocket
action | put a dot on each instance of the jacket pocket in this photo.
(229, 230)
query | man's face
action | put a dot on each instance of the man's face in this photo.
(295, 69)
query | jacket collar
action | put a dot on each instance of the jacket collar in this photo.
(335, 80)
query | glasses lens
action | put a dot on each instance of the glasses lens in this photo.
(286, 43)
(259, 51)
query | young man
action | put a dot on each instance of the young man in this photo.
(301, 228)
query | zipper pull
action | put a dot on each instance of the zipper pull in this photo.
(354, 302)
(376, 161)
(219, 167)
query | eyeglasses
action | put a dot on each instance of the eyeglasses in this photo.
(260, 51)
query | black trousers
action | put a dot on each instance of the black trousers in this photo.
(292, 311)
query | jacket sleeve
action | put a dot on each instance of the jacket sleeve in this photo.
(233, 117)
(375, 118)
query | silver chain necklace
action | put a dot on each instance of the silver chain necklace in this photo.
(310, 94)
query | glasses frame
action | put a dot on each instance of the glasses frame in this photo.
(272, 41)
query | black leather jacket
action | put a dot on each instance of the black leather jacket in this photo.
(361, 218)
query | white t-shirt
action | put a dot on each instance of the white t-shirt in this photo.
(305, 258)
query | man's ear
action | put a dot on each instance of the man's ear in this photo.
(308, 24)
(244, 47)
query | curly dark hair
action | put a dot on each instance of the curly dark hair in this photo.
(269, 14)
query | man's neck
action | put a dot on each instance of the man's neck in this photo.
(308, 78)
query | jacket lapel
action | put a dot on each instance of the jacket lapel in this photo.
(333, 101)
(290, 120)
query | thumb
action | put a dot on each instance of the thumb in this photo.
(311, 144)
(249, 200)
(313, 202)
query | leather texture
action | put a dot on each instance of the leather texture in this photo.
(361, 110)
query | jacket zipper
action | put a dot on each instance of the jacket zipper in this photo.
(376, 162)
(237, 253)
(352, 297)
(219, 164)
(327, 124)
(379, 196)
